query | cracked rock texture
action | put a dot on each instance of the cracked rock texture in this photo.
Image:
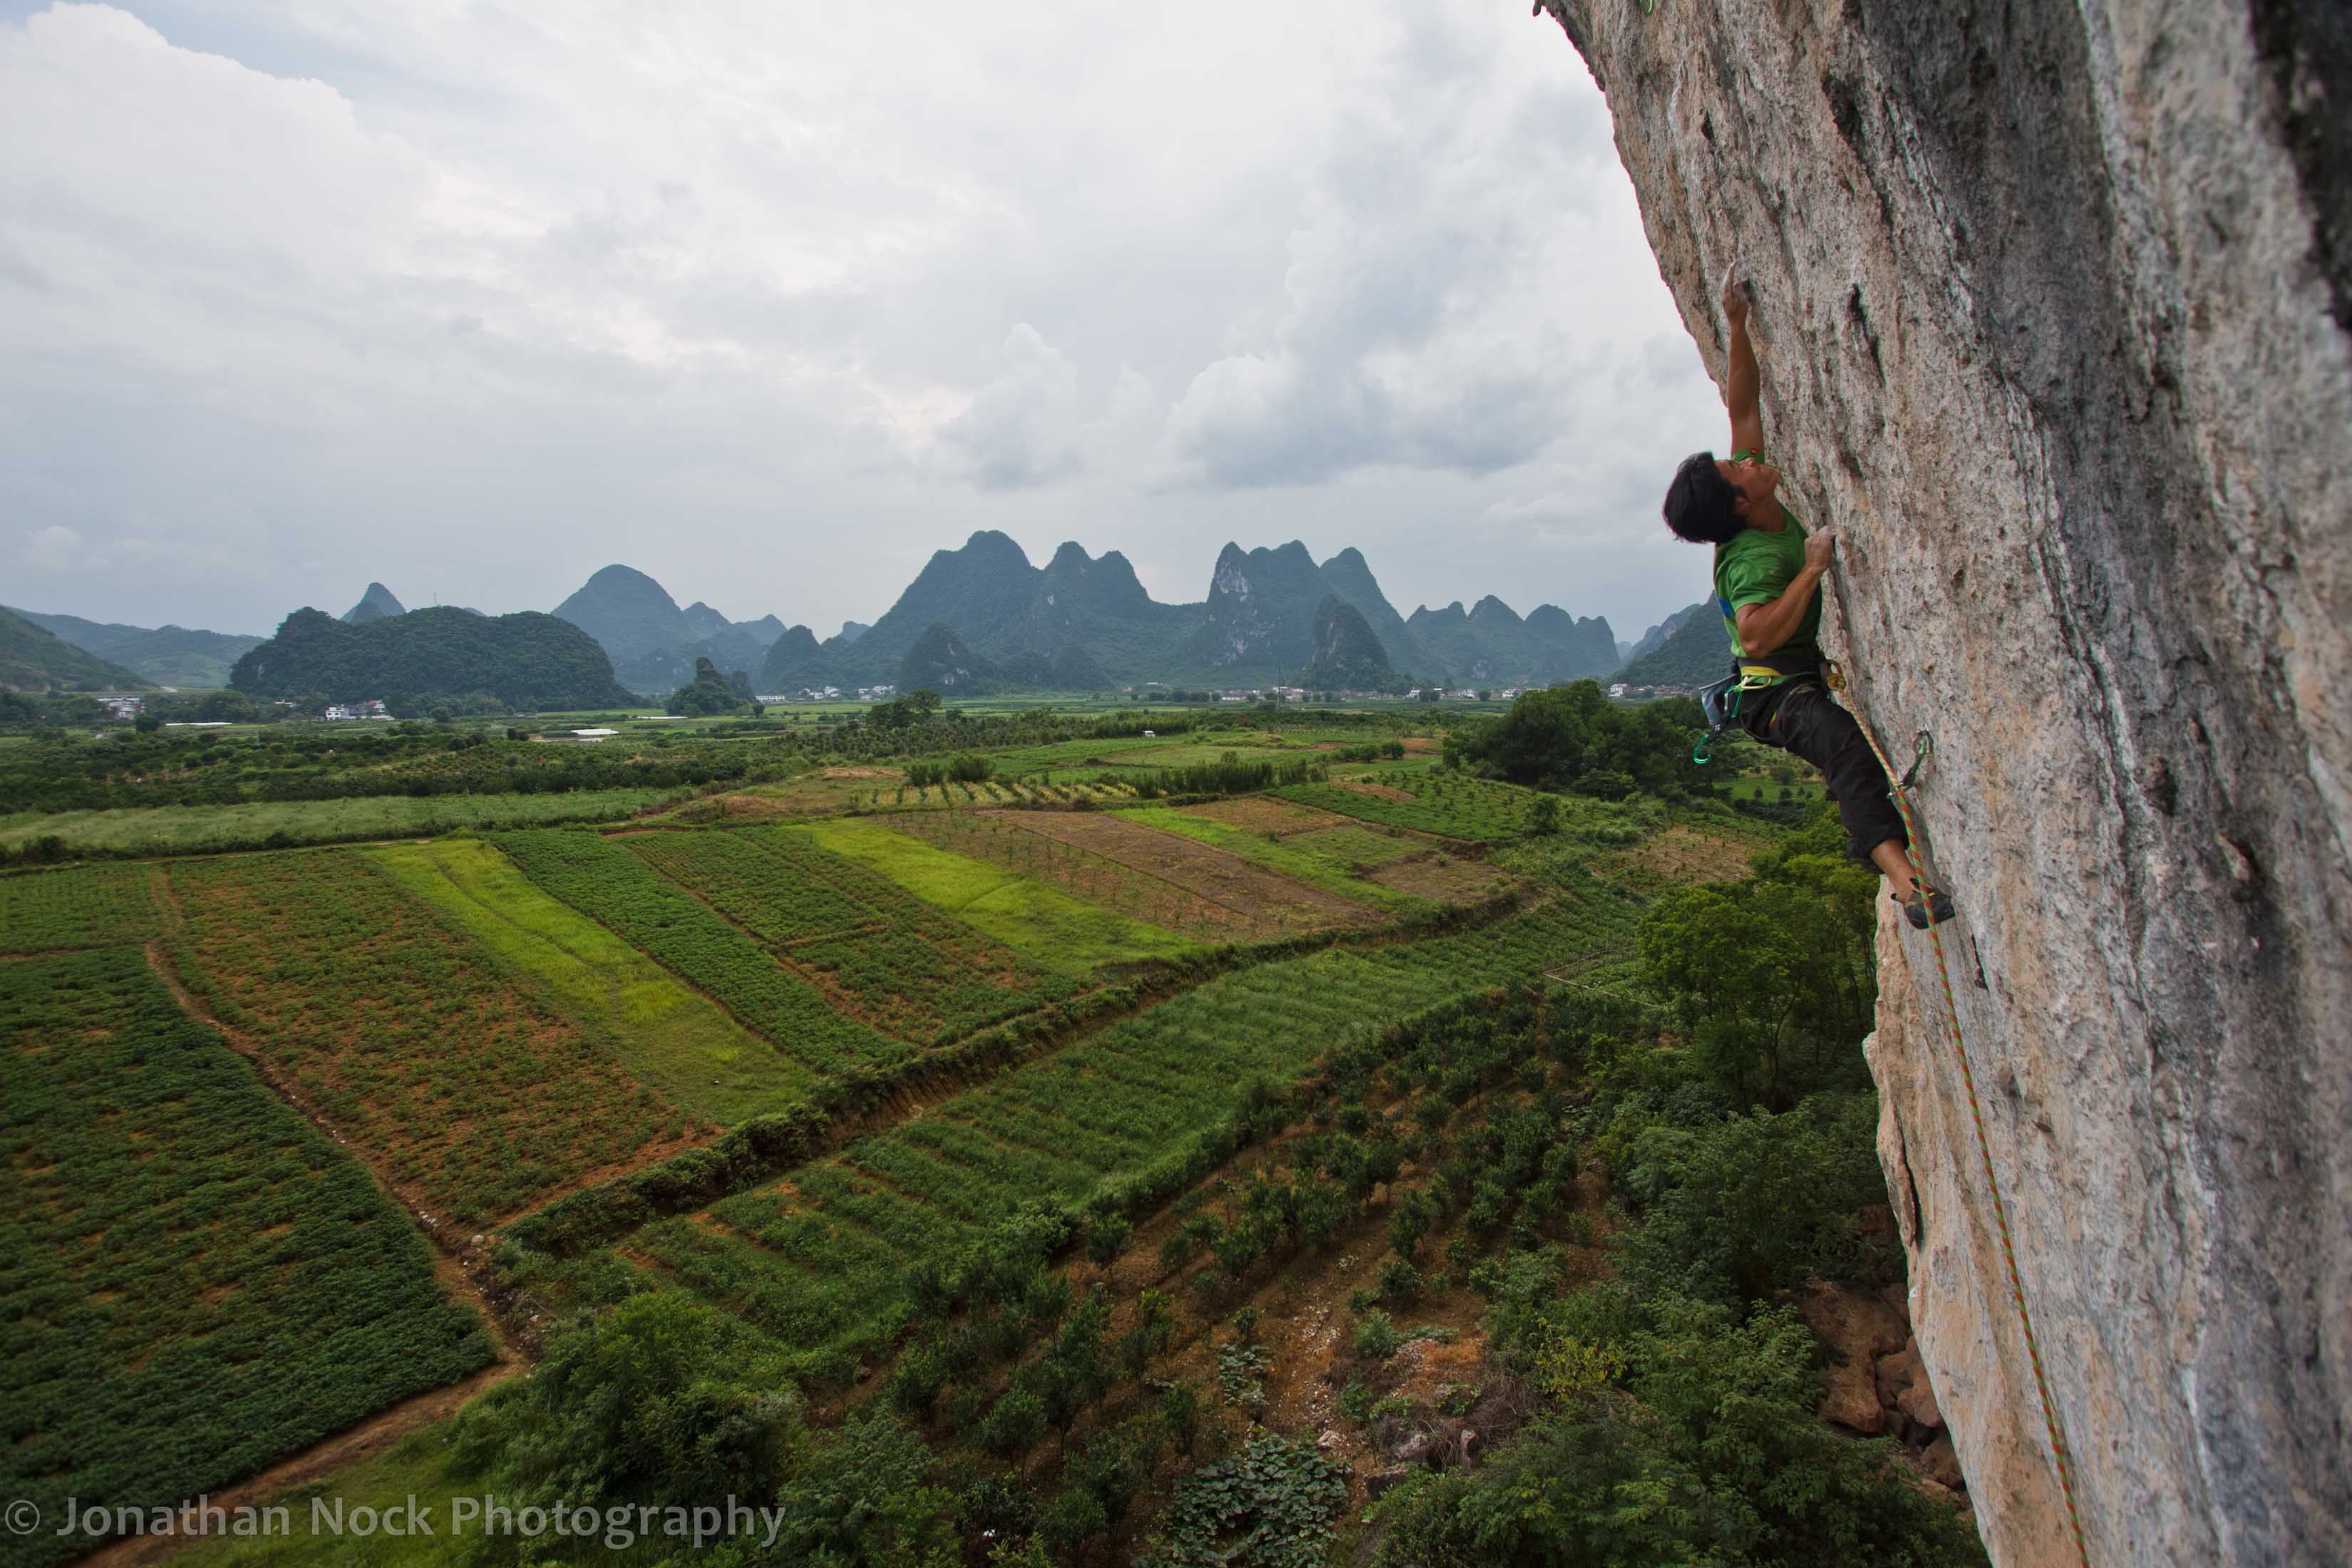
(2053, 302)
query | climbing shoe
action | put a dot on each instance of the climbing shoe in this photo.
(1926, 907)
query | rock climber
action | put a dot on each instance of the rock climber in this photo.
(1767, 576)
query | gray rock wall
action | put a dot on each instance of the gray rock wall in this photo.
(2052, 303)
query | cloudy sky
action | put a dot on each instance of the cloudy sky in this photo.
(773, 300)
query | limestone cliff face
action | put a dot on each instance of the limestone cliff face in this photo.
(2053, 302)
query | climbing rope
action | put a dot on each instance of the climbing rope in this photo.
(1924, 748)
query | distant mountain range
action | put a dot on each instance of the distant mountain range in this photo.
(163, 656)
(1079, 622)
(35, 658)
(652, 642)
(1256, 624)
(1687, 648)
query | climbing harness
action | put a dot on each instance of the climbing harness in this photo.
(1923, 748)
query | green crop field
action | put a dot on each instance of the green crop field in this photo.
(403, 1032)
(878, 951)
(673, 1038)
(202, 829)
(1052, 930)
(194, 1281)
(601, 878)
(1453, 806)
(87, 905)
(819, 1261)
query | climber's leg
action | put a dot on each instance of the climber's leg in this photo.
(1801, 719)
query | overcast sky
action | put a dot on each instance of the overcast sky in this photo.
(772, 300)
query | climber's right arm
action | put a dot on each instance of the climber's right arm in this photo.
(1742, 382)
(1765, 627)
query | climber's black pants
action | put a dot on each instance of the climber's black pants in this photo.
(1801, 717)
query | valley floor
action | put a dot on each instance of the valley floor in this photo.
(307, 1147)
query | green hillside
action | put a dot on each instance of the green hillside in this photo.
(169, 656)
(1693, 653)
(33, 658)
(528, 661)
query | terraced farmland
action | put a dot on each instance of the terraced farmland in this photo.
(1045, 924)
(194, 1281)
(819, 1259)
(1163, 878)
(473, 1096)
(671, 1036)
(1424, 800)
(876, 950)
(602, 879)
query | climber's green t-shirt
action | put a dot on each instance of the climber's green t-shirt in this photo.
(1755, 566)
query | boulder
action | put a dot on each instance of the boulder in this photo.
(2052, 297)
(1855, 1330)
(1942, 1463)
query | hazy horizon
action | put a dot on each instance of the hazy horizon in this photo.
(772, 307)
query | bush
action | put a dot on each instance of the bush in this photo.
(1711, 1419)
(1375, 1338)
(1399, 1280)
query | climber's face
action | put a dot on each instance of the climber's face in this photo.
(1755, 479)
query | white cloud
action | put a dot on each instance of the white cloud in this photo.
(776, 300)
(52, 549)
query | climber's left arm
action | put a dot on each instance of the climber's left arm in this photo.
(1743, 384)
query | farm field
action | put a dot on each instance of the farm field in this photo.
(877, 951)
(1422, 800)
(1337, 856)
(85, 906)
(819, 1261)
(196, 1282)
(814, 1060)
(1033, 917)
(674, 1039)
(475, 1099)
(202, 829)
(602, 880)
(1171, 880)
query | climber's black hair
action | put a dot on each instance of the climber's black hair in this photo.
(1702, 506)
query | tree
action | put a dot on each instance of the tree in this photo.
(661, 1399)
(1773, 978)
(709, 693)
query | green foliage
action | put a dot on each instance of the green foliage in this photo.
(1572, 737)
(866, 1497)
(1735, 1209)
(528, 661)
(198, 1282)
(1773, 978)
(914, 709)
(172, 830)
(1273, 1505)
(1694, 1440)
(708, 693)
(662, 1399)
(1374, 1337)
